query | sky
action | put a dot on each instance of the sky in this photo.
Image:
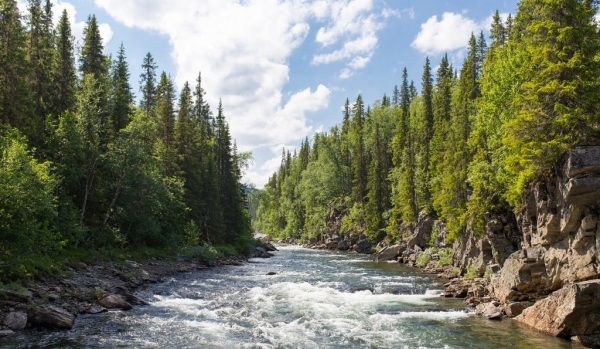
(284, 68)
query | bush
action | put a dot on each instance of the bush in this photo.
(423, 259)
(471, 273)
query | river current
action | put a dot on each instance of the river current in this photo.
(316, 299)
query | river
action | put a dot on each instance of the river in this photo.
(316, 299)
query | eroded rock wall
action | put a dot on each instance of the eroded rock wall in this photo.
(557, 266)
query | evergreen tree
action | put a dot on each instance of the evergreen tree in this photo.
(15, 102)
(498, 31)
(65, 77)
(41, 62)
(148, 84)
(359, 166)
(92, 60)
(427, 99)
(121, 99)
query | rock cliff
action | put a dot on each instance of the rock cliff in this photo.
(557, 266)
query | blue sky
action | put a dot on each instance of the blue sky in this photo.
(284, 68)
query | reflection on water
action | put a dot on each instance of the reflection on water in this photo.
(316, 299)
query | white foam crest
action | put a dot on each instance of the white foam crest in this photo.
(392, 319)
(191, 307)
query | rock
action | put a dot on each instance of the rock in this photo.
(16, 321)
(271, 273)
(361, 288)
(422, 232)
(591, 341)
(331, 244)
(96, 309)
(6, 333)
(136, 300)
(17, 296)
(53, 297)
(489, 310)
(50, 316)
(582, 161)
(571, 311)
(270, 247)
(516, 308)
(522, 278)
(343, 245)
(114, 301)
(389, 253)
(362, 246)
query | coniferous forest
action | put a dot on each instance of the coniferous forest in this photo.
(83, 168)
(468, 142)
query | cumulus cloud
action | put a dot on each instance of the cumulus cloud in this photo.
(356, 23)
(451, 32)
(243, 48)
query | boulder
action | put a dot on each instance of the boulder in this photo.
(571, 311)
(15, 321)
(516, 308)
(114, 301)
(362, 246)
(491, 310)
(50, 316)
(389, 253)
(523, 277)
(343, 245)
(331, 244)
(96, 309)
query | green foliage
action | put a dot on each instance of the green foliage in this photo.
(471, 273)
(423, 259)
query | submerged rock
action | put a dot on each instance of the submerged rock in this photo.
(491, 310)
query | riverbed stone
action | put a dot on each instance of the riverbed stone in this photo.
(50, 316)
(114, 301)
(6, 333)
(15, 321)
(491, 310)
(390, 252)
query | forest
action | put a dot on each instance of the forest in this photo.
(83, 167)
(467, 143)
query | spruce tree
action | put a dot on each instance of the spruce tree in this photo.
(92, 60)
(15, 99)
(121, 99)
(148, 84)
(65, 76)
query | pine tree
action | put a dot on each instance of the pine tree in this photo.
(148, 84)
(92, 60)
(165, 109)
(427, 97)
(498, 31)
(121, 99)
(65, 77)
(359, 166)
(558, 102)
(15, 102)
(41, 62)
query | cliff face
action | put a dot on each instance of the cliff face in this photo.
(557, 266)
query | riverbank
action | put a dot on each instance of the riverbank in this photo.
(55, 301)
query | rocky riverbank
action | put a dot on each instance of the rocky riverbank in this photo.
(539, 266)
(53, 302)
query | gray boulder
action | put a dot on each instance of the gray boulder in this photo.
(16, 321)
(50, 316)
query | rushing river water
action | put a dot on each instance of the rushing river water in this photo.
(317, 299)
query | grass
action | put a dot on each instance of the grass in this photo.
(16, 269)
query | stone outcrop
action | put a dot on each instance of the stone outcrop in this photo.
(553, 282)
(574, 310)
(502, 237)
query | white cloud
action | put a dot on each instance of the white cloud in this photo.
(450, 33)
(356, 24)
(243, 49)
